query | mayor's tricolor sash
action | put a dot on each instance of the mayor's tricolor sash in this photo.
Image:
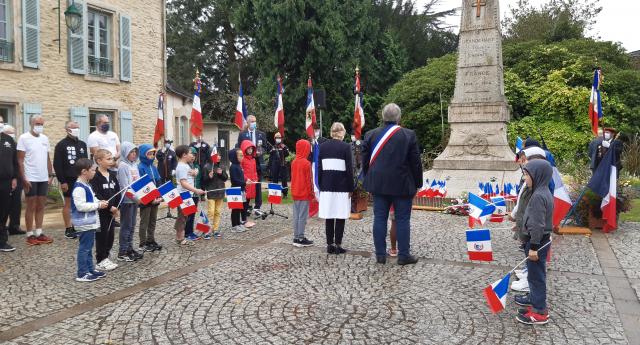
(384, 139)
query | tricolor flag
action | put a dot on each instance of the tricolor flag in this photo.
(479, 210)
(313, 205)
(358, 112)
(203, 226)
(188, 206)
(481, 189)
(159, 132)
(603, 183)
(519, 146)
(431, 192)
(496, 294)
(170, 194)
(196, 111)
(275, 193)
(501, 209)
(479, 245)
(595, 102)
(278, 118)
(235, 199)
(145, 190)
(215, 157)
(561, 199)
(310, 119)
(241, 108)
(442, 189)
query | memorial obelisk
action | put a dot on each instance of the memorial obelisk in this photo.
(478, 113)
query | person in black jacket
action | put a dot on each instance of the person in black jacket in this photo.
(393, 173)
(8, 181)
(237, 180)
(15, 203)
(278, 163)
(66, 154)
(167, 162)
(335, 179)
(213, 180)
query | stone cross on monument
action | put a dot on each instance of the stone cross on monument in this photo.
(478, 113)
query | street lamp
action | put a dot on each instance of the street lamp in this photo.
(73, 17)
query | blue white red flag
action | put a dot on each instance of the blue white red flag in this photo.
(519, 146)
(159, 131)
(278, 118)
(595, 102)
(170, 194)
(203, 226)
(496, 294)
(188, 206)
(358, 113)
(603, 183)
(442, 188)
(145, 190)
(235, 199)
(310, 119)
(241, 108)
(561, 199)
(479, 245)
(479, 210)
(215, 156)
(315, 164)
(481, 189)
(501, 209)
(196, 111)
(275, 193)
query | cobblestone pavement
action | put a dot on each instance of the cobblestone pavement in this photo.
(255, 288)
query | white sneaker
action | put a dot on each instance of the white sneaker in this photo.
(101, 266)
(520, 286)
(237, 228)
(110, 265)
(522, 275)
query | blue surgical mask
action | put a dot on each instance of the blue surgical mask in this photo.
(253, 126)
(104, 127)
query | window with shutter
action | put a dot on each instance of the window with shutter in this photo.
(31, 33)
(75, 46)
(126, 126)
(6, 32)
(81, 116)
(125, 48)
(98, 47)
(29, 110)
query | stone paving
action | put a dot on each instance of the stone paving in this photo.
(255, 288)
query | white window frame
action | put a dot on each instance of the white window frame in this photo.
(97, 42)
(8, 22)
(10, 118)
(113, 119)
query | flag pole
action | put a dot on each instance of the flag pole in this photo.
(527, 258)
(125, 188)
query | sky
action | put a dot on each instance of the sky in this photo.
(615, 23)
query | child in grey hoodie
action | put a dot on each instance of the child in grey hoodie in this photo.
(127, 173)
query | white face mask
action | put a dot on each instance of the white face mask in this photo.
(38, 129)
(278, 141)
(607, 136)
(74, 132)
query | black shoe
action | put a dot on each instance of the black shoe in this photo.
(340, 250)
(18, 231)
(331, 249)
(136, 254)
(128, 257)
(409, 260)
(148, 247)
(304, 242)
(6, 248)
(70, 233)
(156, 246)
(381, 259)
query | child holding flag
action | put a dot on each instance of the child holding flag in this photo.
(148, 212)
(195, 172)
(301, 192)
(237, 180)
(250, 170)
(185, 182)
(105, 185)
(127, 173)
(213, 181)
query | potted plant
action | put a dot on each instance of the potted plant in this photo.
(360, 198)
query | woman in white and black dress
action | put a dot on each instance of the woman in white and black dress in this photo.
(335, 178)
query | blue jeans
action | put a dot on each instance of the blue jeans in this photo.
(128, 213)
(85, 258)
(537, 278)
(402, 208)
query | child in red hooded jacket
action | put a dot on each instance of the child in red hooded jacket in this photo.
(301, 192)
(250, 170)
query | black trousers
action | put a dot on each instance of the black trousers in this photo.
(281, 176)
(258, 203)
(15, 208)
(235, 217)
(105, 237)
(245, 211)
(5, 202)
(334, 229)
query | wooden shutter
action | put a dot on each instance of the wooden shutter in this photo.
(31, 33)
(126, 126)
(81, 116)
(77, 43)
(125, 48)
(29, 110)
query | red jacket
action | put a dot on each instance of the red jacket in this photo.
(301, 187)
(249, 168)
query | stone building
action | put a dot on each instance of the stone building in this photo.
(114, 64)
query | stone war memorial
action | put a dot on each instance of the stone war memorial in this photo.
(478, 113)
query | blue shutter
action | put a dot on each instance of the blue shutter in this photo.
(76, 43)
(125, 48)
(81, 116)
(31, 33)
(29, 110)
(126, 126)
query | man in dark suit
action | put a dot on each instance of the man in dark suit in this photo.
(393, 174)
(259, 139)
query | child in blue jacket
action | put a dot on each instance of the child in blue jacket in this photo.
(149, 212)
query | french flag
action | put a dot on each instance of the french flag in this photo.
(501, 209)
(519, 146)
(187, 206)
(603, 183)
(196, 111)
(215, 157)
(442, 188)
(203, 226)
(170, 194)
(275, 193)
(278, 119)
(479, 210)
(496, 294)
(595, 102)
(159, 131)
(313, 205)
(310, 119)
(241, 108)
(431, 192)
(235, 200)
(145, 190)
(479, 245)
(561, 200)
(358, 113)
(481, 189)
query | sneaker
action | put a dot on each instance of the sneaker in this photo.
(340, 250)
(101, 266)
(99, 274)
(217, 234)
(70, 233)
(522, 300)
(6, 248)
(257, 212)
(524, 311)
(331, 249)
(110, 264)
(533, 318)
(520, 286)
(125, 257)
(206, 236)
(156, 246)
(522, 275)
(87, 278)
(393, 252)
(44, 239)
(136, 254)
(238, 228)
(306, 242)
(32, 241)
(193, 237)
(147, 247)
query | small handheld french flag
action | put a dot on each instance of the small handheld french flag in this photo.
(203, 226)
(235, 200)
(479, 210)
(479, 245)
(500, 209)
(275, 193)
(145, 190)
(496, 294)
(187, 206)
(170, 194)
(519, 145)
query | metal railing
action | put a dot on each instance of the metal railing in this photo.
(6, 51)
(100, 67)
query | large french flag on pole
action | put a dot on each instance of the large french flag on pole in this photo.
(275, 193)
(196, 111)
(496, 294)
(479, 245)
(241, 108)
(358, 113)
(145, 190)
(310, 112)
(170, 194)
(235, 201)
(187, 206)
(595, 103)
(278, 118)
(159, 131)
(479, 210)
(603, 183)
(561, 199)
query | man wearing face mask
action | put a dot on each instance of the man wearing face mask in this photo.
(36, 171)
(8, 182)
(103, 138)
(167, 161)
(599, 146)
(259, 139)
(66, 154)
(278, 163)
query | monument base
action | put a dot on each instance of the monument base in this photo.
(460, 182)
